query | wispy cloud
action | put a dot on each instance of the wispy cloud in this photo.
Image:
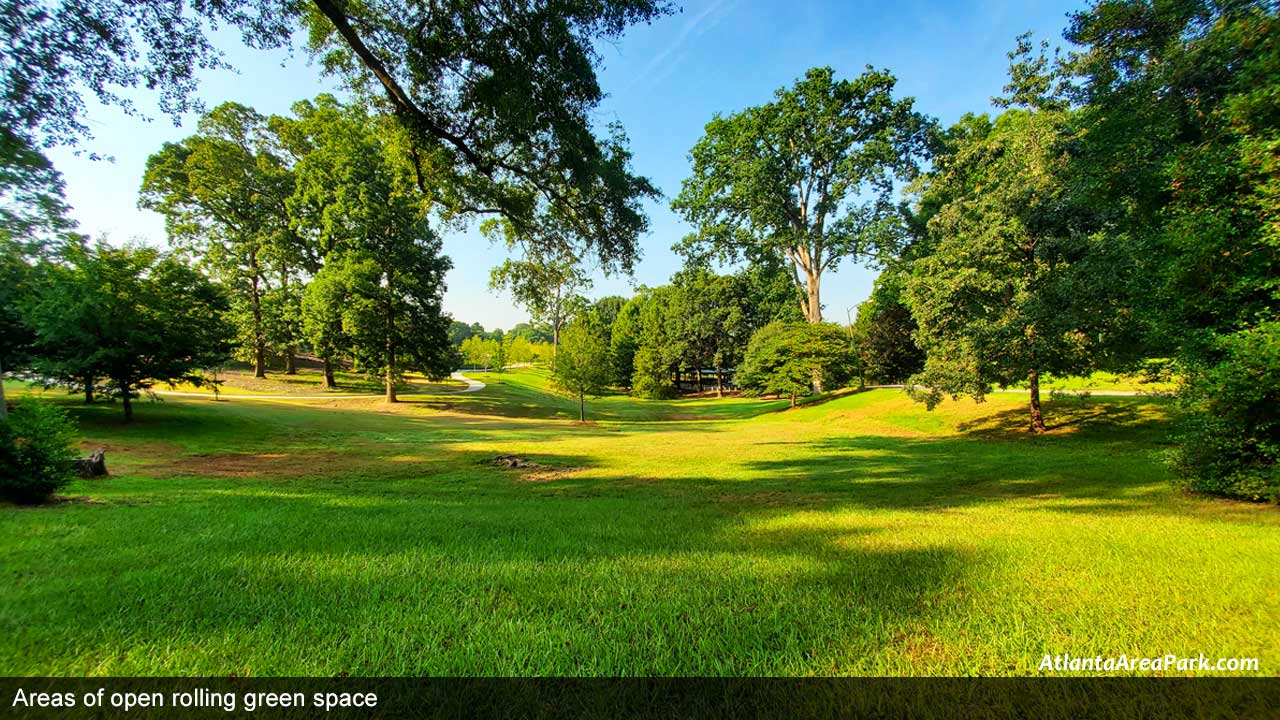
(660, 65)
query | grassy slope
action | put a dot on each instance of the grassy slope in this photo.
(858, 536)
(310, 381)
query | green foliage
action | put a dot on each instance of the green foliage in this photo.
(651, 377)
(223, 194)
(883, 340)
(37, 446)
(624, 341)
(786, 358)
(512, 131)
(780, 180)
(581, 365)
(1014, 284)
(548, 280)
(657, 354)
(709, 320)
(1230, 443)
(132, 315)
(1182, 149)
(478, 350)
(32, 204)
(323, 301)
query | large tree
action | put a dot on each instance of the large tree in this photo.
(382, 262)
(1183, 152)
(132, 315)
(547, 279)
(1015, 285)
(223, 194)
(497, 96)
(808, 177)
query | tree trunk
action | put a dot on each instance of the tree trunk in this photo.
(1037, 418)
(124, 398)
(719, 382)
(88, 388)
(4, 409)
(699, 373)
(391, 342)
(290, 362)
(813, 304)
(793, 399)
(582, 408)
(259, 337)
(328, 374)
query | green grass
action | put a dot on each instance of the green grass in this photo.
(1102, 381)
(310, 381)
(861, 535)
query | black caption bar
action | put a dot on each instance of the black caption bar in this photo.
(349, 698)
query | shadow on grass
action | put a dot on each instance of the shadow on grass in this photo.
(482, 577)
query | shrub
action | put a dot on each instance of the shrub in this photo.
(1230, 439)
(36, 451)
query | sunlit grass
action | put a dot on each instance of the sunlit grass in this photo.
(862, 535)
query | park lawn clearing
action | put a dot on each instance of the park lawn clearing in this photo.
(310, 381)
(862, 535)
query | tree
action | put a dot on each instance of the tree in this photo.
(132, 315)
(710, 322)
(223, 195)
(15, 331)
(784, 179)
(783, 358)
(581, 365)
(497, 97)
(657, 356)
(883, 333)
(1230, 438)
(1015, 285)
(323, 301)
(478, 350)
(548, 281)
(624, 341)
(458, 332)
(1183, 124)
(391, 310)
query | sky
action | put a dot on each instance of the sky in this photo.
(664, 81)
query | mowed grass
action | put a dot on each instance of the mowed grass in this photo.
(862, 535)
(310, 381)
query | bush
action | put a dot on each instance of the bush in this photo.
(36, 451)
(1230, 440)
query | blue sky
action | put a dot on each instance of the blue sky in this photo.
(664, 81)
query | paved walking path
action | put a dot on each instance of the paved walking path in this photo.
(472, 386)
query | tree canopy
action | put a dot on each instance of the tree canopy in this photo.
(131, 315)
(808, 177)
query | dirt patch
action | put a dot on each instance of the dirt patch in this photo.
(242, 465)
(531, 471)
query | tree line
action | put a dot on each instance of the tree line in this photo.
(1121, 206)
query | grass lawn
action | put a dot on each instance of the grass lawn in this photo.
(862, 535)
(310, 381)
